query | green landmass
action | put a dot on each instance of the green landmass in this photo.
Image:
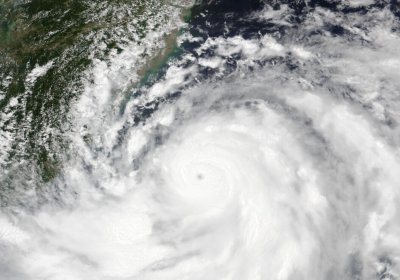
(38, 32)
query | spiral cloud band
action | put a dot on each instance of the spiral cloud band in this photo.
(269, 151)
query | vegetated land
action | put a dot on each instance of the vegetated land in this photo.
(45, 46)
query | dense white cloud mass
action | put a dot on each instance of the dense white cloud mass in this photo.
(286, 167)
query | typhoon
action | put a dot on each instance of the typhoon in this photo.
(266, 145)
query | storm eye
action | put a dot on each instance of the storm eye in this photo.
(200, 176)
